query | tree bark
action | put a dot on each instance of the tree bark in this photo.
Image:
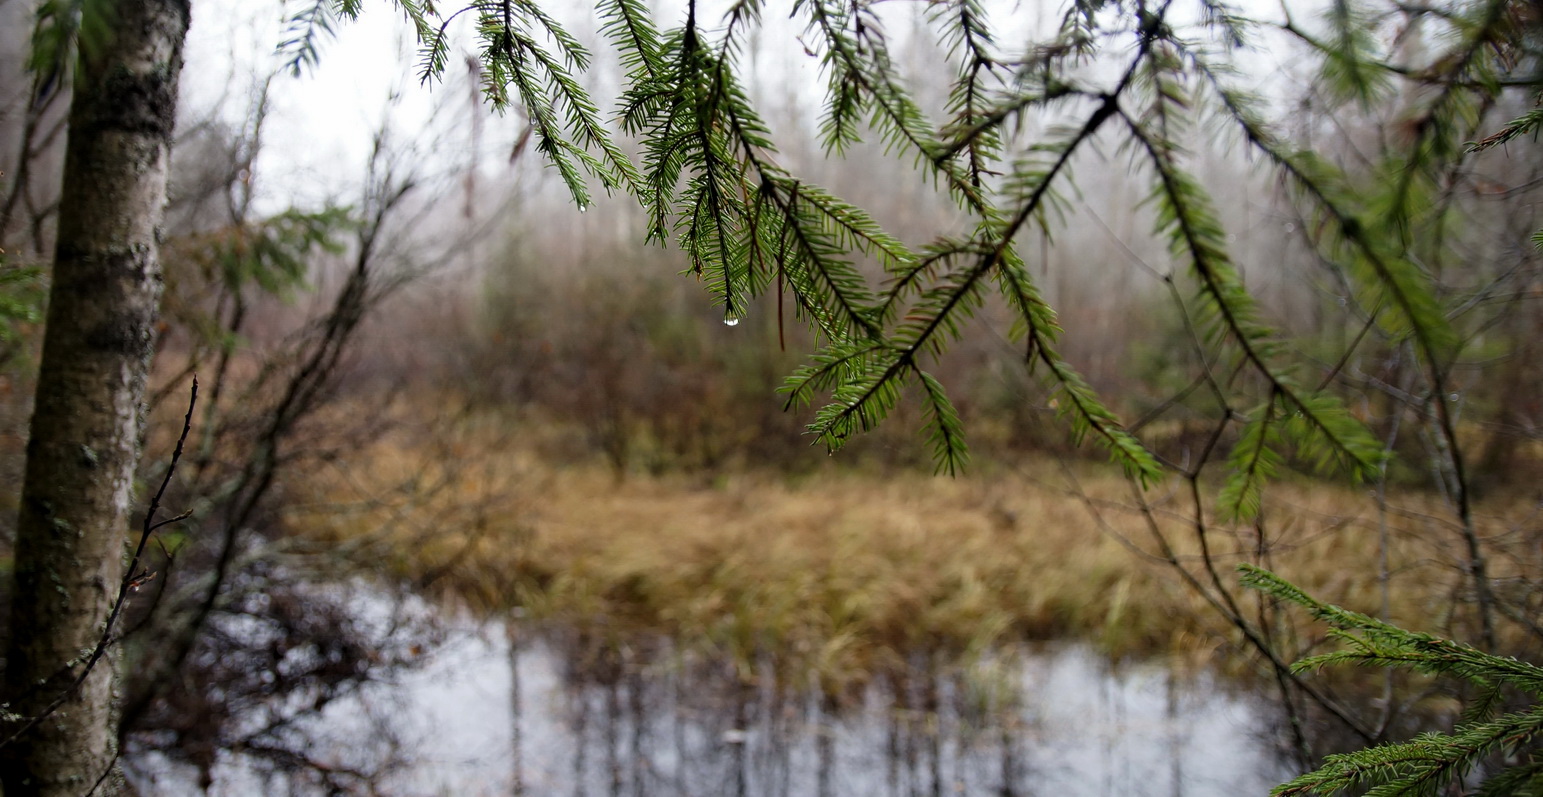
(87, 421)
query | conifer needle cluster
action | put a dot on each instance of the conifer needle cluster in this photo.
(1137, 72)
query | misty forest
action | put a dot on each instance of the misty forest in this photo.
(726, 397)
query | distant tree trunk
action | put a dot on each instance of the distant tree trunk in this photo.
(86, 426)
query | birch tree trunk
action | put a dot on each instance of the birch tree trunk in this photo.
(86, 425)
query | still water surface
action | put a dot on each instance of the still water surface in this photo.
(1052, 721)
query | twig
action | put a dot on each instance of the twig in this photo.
(126, 585)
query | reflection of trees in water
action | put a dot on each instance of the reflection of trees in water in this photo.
(653, 718)
(593, 713)
(516, 713)
(648, 717)
(269, 690)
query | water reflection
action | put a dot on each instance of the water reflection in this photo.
(500, 712)
(589, 720)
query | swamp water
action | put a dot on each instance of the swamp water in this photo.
(542, 717)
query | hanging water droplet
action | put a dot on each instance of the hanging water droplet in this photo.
(583, 208)
(730, 321)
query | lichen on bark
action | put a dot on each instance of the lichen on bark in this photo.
(84, 444)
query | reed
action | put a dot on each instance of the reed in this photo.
(838, 575)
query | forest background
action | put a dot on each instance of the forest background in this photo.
(441, 371)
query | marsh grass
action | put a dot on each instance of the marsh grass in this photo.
(839, 576)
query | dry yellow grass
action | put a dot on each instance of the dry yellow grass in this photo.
(843, 574)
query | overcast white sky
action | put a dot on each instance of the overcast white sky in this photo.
(320, 125)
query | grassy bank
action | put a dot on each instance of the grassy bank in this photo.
(842, 572)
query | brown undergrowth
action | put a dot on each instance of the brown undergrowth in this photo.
(839, 573)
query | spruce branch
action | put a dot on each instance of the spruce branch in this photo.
(862, 81)
(303, 33)
(1405, 287)
(1522, 125)
(1430, 763)
(1184, 211)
